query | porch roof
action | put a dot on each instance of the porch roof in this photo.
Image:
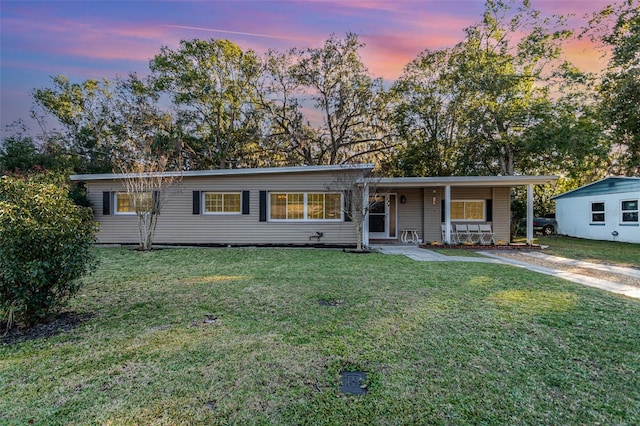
(419, 182)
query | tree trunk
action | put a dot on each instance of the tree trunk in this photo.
(359, 227)
(147, 228)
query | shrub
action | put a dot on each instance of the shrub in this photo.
(45, 246)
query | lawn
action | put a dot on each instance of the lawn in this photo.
(260, 336)
(625, 254)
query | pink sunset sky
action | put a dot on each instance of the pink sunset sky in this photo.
(103, 39)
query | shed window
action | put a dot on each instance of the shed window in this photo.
(471, 210)
(597, 212)
(305, 206)
(629, 210)
(222, 202)
(132, 203)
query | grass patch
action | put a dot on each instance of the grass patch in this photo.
(440, 342)
(624, 254)
(459, 252)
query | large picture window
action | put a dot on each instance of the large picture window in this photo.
(132, 203)
(597, 212)
(470, 210)
(222, 202)
(629, 210)
(305, 206)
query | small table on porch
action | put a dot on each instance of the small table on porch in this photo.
(409, 234)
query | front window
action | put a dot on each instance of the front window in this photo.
(323, 206)
(471, 210)
(305, 206)
(597, 212)
(132, 203)
(222, 202)
(629, 211)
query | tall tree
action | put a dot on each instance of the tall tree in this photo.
(428, 116)
(290, 138)
(212, 85)
(501, 74)
(571, 140)
(85, 112)
(618, 27)
(20, 153)
(141, 126)
(489, 105)
(348, 121)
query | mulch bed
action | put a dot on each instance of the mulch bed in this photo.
(64, 322)
(482, 247)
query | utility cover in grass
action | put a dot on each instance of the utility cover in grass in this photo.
(352, 382)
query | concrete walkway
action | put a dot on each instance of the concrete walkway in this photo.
(419, 254)
(416, 253)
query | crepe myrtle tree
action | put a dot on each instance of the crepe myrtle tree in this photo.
(356, 186)
(147, 177)
(149, 154)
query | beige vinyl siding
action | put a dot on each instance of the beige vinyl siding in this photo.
(470, 193)
(502, 213)
(178, 225)
(501, 207)
(426, 215)
(433, 212)
(410, 213)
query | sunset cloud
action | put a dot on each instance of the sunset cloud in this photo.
(236, 32)
(103, 39)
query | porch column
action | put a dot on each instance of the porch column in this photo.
(365, 208)
(447, 214)
(530, 214)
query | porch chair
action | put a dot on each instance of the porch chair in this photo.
(452, 234)
(487, 235)
(475, 236)
(461, 230)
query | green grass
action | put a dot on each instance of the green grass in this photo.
(441, 342)
(460, 252)
(626, 254)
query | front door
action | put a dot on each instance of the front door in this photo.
(382, 216)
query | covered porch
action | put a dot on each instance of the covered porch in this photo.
(427, 209)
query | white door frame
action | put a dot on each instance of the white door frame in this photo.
(387, 219)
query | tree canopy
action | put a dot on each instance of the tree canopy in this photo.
(618, 27)
(501, 101)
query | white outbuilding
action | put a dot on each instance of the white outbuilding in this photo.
(603, 210)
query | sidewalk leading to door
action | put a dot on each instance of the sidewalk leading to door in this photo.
(416, 253)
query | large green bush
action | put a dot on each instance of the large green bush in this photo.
(45, 246)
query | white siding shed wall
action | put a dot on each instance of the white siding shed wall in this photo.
(574, 218)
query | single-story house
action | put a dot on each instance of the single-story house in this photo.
(603, 210)
(306, 205)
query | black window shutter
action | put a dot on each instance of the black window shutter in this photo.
(156, 201)
(489, 207)
(245, 202)
(348, 206)
(263, 206)
(442, 219)
(196, 202)
(106, 203)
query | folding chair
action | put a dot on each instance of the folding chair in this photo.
(452, 234)
(461, 230)
(487, 235)
(474, 233)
